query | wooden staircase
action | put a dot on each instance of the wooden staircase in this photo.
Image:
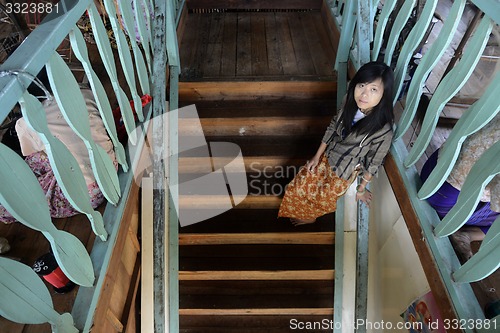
(246, 270)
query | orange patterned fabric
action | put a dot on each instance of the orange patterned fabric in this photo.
(311, 195)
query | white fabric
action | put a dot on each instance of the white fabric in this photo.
(30, 140)
(358, 116)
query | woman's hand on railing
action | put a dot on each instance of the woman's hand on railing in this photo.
(364, 195)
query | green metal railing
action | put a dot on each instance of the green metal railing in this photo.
(355, 21)
(25, 299)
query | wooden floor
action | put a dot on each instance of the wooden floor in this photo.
(235, 46)
(256, 46)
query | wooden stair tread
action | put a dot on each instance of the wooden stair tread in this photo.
(253, 312)
(325, 238)
(235, 90)
(253, 126)
(265, 108)
(321, 274)
(252, 163)
(220, 201)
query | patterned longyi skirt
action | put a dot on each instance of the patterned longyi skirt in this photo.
(313, 194)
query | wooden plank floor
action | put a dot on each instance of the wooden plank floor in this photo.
(256, 46)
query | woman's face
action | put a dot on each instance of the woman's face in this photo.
(368, 95)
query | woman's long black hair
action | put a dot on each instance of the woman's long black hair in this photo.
(383, 112)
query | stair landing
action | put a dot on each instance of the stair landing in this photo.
(256, 45)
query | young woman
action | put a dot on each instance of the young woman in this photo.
(356, 141)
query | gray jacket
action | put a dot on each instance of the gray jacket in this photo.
(366, 150)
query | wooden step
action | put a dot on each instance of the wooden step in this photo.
(264, 108)
(256, 257)
(253, 164)
(244, 220)
(302, 253)
(321, 274)
(293, 146)
(245, 5)
(258, 312)
(322, 238)
(253, 126)
(278, 323)
(220, 201)
(255, 90)
(256, 287)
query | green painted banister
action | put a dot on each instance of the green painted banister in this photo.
(364, 33)
(479, 176)
(66, 169)
(346, 33)
(171, 32)
(342, 58)
(26, 299)
(490, 8)
(104, 47)
(36, 49)
(429, 60)
(124, 54)
(476, 117)
(381, 25)
(80, 49)
(448, 87)
(143, 19)
(485, 261)
(140, 66)
(26, 201)
(399, 23)
(410, 44)
(74, 110)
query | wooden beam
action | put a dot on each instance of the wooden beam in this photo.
(322, 274)
(258, 312)
(252, 164)
(320, 238)
(249, 126)
(218, 201)
(117, 325)
(197, 91)
(458, 101)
